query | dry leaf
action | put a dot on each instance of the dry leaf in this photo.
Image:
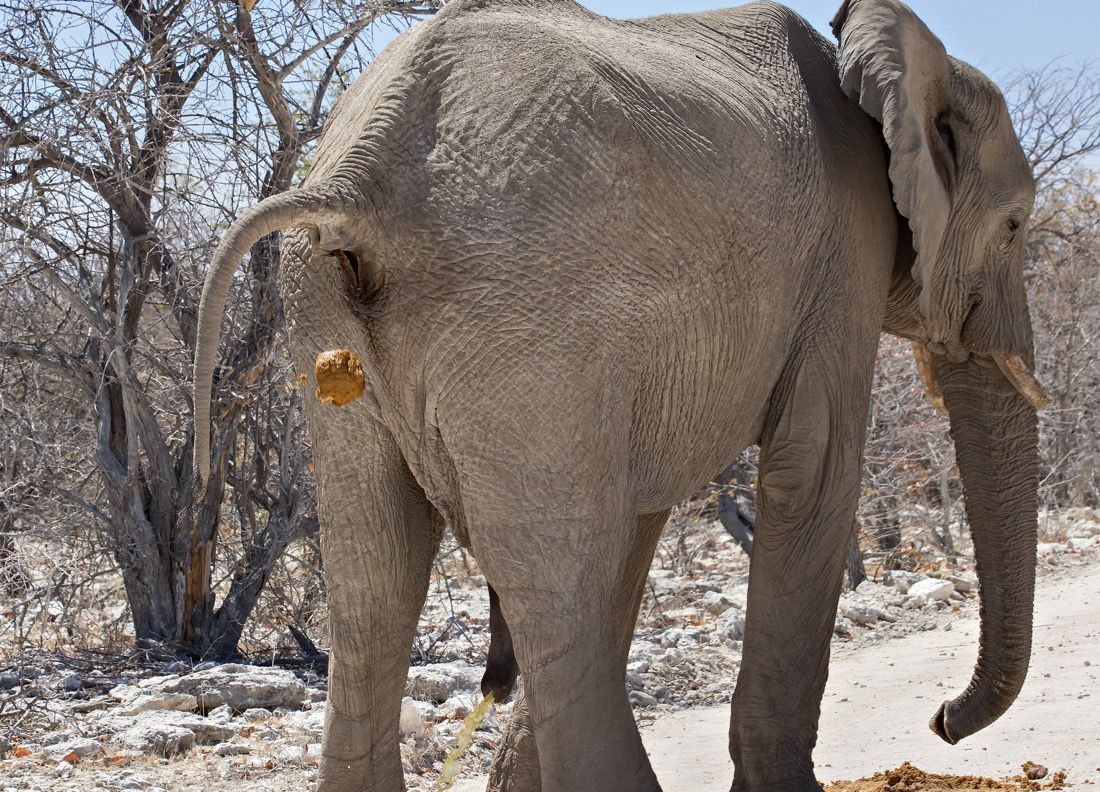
(20, 752)
(72, 757)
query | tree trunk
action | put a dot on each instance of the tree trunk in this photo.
(857, 573)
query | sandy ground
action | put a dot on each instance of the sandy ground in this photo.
(880, 697)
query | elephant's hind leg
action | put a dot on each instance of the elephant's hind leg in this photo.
(552, 522)
(809, 483)
(516, 763)
(378, 535)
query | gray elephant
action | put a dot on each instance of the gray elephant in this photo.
(579, 264)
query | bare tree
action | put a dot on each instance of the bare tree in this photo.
(1057, 112)
(130, 133)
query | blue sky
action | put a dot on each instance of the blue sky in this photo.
(998, 36)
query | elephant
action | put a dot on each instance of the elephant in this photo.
(577, 266)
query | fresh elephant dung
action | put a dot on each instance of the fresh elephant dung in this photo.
(340, 379)
(908, 778)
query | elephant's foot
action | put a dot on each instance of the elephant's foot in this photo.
(355, 771)
(767, 760)
(516, 761)
(516, 768)
(800, 783)
(587, 738)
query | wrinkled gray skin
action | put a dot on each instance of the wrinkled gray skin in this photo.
(587, 262)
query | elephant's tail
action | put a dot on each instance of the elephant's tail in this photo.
(303, 208)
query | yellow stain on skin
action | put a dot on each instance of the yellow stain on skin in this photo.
(340, 379)
(453, 763)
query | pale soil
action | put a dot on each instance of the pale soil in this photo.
(879, 699)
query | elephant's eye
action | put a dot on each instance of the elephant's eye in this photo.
(1011, 226)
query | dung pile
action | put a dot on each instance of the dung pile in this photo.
(908, 778)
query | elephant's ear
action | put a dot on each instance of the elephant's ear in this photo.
(899, 73)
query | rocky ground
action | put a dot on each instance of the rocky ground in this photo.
(129, 723)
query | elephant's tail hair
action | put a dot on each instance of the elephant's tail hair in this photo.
(303, 208)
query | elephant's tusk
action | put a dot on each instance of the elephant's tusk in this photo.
(927, 371)
(340, 378)
(1016, 371)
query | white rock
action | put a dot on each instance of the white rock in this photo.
(412, 721)
(437, 682)
(222, 714)
(730, 626)
(81, 746)
(167, 732)
(1051, 548)
(300, 755)
(311, 722)
(164, 740)
(232, 749)
(673, 657)
(1082, 543)
(901, 579)
(145, 702)
(244, 687)
(671, 637)
(932, 589)
(860, 614)
(238, 686)
(716, 603)
(1090, 528)
(453, 708)
(691, 636)
(964, 583)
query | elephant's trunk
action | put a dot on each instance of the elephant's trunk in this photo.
(294, 209)
(996, 444)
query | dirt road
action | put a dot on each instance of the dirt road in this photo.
(880, 697)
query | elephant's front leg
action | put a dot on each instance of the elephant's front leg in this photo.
(809, 483)
(378, 536)
(516, 762)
